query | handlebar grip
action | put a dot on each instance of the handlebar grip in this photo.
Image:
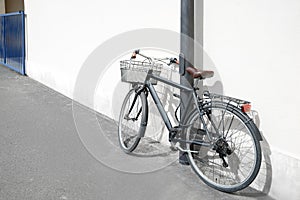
(174, 60)
(133, 56)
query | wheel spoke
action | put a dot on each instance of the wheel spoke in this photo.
(233, 158)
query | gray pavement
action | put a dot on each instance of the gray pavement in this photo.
(42, 156)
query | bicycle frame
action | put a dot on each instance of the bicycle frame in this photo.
(162, 111)
(156, 99)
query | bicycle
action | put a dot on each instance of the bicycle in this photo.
(221, 140)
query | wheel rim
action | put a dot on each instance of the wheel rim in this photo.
(241, 162)
(128, 126)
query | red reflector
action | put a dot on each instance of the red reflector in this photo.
(246, 108)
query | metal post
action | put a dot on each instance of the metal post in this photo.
(186, 56)
(199, 15)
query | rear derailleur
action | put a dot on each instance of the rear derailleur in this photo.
(222, 148)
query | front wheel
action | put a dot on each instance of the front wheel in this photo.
(132, 120)
(232, 160)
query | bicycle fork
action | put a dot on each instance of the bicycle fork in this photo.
(138, 91)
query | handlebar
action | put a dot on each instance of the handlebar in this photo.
(171, 60)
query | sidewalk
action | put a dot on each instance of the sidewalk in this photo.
(42, 157)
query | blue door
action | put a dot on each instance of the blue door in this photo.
(12, 41)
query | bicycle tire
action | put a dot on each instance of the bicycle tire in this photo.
(134, 130)
(208, 164)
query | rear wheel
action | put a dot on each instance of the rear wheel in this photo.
(232, 160)
(132, 120)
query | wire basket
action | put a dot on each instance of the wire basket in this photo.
(136, 71)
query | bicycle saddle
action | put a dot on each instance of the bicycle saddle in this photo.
(201, 74)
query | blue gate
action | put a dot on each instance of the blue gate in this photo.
(12, 41)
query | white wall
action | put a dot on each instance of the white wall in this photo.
(61, 34)
(255, 45)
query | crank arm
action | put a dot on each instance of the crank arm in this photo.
(177, 146)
